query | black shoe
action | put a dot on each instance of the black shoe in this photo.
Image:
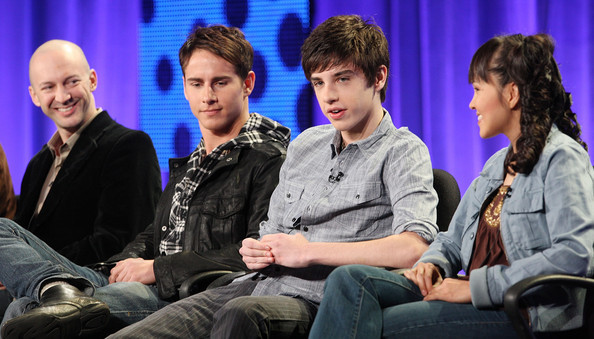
(64, 312)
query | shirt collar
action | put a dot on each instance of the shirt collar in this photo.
(367, 143)
(55, 142)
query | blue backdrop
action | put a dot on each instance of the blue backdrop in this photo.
(276, 31)
(431, 44)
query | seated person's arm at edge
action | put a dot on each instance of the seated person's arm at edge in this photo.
(414, 208)
(7, 197)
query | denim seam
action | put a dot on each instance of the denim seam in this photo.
(358, 309)
(458, 322)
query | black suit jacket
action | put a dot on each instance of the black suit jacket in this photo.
(104, 194)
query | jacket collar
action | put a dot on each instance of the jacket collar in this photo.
(78, 157)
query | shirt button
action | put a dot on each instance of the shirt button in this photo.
(357, 196)
(305, 229)
(294, 219)
(164, 228)
(288, 195)
(326, 188)
(308, 208)
(471, 236)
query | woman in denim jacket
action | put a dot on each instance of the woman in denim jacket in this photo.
(530, 212)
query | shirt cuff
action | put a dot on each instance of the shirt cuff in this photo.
(479, 289)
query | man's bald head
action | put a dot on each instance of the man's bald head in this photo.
(66, 48)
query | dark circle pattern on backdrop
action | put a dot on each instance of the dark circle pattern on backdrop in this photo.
(276, 30)
(261, 76)
(303, 109)
(237, 12)
(290, 37)
(164, 74)
(197, 23)
(148, 11)
(182, 140)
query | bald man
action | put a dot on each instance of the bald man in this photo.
(95, 184)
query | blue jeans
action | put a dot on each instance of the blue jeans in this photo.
(368, 302)
(27, 263)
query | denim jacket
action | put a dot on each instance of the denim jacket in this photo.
(547, 226)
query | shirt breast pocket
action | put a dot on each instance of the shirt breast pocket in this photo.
(361, 193)
(527, 221)
(223, 207)
(365, 204)
(293, 192)
(221, 221)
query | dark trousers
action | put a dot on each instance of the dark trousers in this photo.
(227, 312)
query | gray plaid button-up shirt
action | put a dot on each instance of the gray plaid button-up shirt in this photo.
(374, 188)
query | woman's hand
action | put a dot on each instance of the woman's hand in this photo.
(426, 276)
(451, 290)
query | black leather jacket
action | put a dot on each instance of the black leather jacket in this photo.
(228, 207)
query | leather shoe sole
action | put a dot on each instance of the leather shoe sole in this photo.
(66, 319)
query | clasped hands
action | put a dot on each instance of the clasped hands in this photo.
(281, 249)
(433, 287)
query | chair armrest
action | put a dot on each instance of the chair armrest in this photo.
(102, 267)
(226, 279)
(198, 282)
(512, 298)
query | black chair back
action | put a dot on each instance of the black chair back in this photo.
(448, 193)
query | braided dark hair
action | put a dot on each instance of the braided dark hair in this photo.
(528, 62)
